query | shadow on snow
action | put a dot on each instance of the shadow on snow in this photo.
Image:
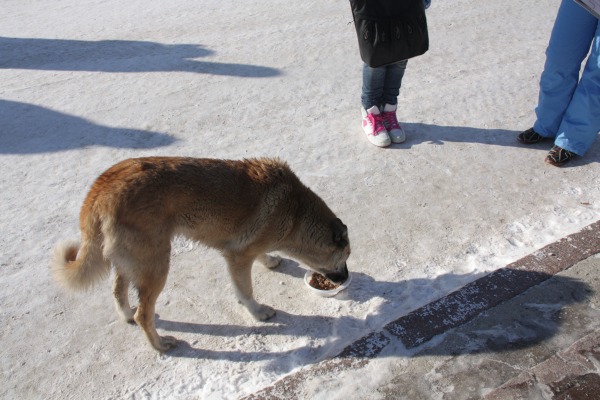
(29, 129)
(524, 326)
(117, 56)
(439, 135)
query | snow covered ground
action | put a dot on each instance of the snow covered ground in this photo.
(86, 84)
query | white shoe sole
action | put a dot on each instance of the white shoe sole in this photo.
(385, 142)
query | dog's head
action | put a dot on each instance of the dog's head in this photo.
(342, 245)
(326, 249)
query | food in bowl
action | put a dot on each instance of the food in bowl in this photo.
(322, 286)
(320, 282)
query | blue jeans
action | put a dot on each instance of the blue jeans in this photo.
(569, 106)
(381, 85)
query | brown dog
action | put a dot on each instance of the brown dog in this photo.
(243, 208)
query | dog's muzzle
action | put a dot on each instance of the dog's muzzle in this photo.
(338, 277)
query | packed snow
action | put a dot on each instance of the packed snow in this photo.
(84, 85)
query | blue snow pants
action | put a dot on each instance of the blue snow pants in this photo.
(569, 106)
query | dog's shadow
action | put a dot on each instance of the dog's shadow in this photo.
(395, 302)
(309, 327)
(283, 324)
(336, 331)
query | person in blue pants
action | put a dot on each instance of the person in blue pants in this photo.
(568, 108)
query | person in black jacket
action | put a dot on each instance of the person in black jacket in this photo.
(379, 98)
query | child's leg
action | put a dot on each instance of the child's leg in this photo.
(371, 98)
(372, 86)
(392, 83)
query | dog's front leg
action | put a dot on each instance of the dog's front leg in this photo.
(240, 269)
(269, 261)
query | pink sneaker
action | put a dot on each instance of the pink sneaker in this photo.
(390, 121)
(374, 127)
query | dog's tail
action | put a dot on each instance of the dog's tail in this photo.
(78, 267)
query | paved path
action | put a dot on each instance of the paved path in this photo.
(530, 330)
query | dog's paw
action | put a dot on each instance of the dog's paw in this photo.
(269, 261)
(129, 316)
(272, 261)
(264, 313)
(166, 343)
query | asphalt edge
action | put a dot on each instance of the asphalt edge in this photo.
(457, 308)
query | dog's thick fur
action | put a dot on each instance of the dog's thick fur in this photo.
(243, 208)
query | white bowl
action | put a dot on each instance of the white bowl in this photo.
(326, 293)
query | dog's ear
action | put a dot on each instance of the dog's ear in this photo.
(340, 233)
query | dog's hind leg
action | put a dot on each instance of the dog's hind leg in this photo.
(269, 261)
(240, 269)
(121, 293)
(149, 287)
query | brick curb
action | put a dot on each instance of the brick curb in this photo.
(581, 359)
(457, 308)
